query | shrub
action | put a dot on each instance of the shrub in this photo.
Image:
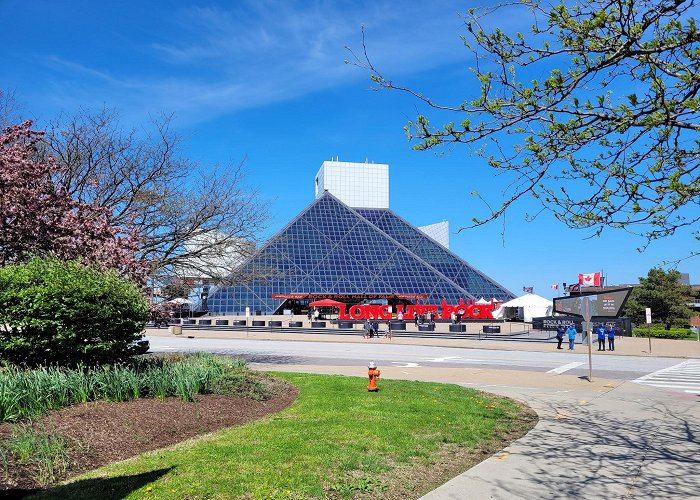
(66, 313)
(662, 333)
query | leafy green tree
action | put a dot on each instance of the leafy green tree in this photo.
(667, 297)
(66, 313)
(595, 112)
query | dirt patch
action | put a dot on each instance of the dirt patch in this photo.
(103, 432)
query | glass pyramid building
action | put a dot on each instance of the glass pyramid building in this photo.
(350, 254)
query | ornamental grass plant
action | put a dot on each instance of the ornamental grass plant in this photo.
(30, 393)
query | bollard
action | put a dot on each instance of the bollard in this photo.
(373, 373)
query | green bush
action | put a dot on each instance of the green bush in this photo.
(66, 313)
(662, 333)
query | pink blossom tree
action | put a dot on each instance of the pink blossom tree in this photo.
(39, 218)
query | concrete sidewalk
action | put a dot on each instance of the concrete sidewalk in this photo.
(627, 443)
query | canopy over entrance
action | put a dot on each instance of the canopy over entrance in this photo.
(326, 303)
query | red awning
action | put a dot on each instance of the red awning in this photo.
(327, 303)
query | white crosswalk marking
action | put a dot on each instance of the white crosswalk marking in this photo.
(683, 377)
(565, 368)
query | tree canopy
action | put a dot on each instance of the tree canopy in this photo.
(667, 297)
(594, 112)
(189, 217)
(39, 218)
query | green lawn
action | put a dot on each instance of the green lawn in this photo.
(336, 440)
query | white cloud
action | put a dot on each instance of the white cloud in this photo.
(225, 59)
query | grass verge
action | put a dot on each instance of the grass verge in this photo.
(336, 441)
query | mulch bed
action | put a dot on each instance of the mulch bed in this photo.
(103, 432)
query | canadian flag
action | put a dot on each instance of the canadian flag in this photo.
(554, 287)
(592, 279)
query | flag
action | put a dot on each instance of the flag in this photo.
(528, 289)
(591, 279)
(554, 287)
(575, 287)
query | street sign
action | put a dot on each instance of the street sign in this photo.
(648, 311)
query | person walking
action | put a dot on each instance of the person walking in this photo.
(367, 327)
(601, 337)
(610, 331)
(560, 336)
(387, 332)
(375, 328)
(571, 332)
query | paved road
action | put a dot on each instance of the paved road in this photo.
(608, 366)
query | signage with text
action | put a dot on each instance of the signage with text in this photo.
(468, 310)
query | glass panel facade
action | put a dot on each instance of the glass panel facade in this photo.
(444, 261)
(331, 248)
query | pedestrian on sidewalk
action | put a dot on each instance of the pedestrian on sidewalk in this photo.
(387, 332)
(610, 331)
(560, 336)
(367, 327)
(601, 337)
(375, 328)
(571, 332)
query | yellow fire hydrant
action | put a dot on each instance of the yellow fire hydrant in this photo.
(373, 373)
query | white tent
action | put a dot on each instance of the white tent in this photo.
(524, 308)
(482, 301)
(180, 301)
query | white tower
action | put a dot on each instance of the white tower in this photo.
(358, 185)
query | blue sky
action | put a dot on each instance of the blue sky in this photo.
(266, 80)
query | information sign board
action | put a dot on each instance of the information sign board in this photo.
(607, 304)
